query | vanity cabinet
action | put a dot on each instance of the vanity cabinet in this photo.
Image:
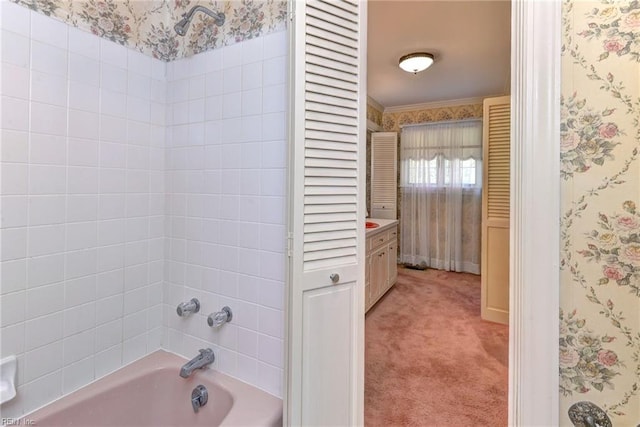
(381, 270)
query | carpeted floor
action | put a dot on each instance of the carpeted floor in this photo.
(430, 359)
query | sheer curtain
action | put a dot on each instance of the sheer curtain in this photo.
(441, 184)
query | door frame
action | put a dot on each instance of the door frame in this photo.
(535, 211)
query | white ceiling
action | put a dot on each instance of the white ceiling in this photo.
(470, 41)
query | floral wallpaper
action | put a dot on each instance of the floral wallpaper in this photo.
(391, 122)
(147, 26)
(374, 114)
(600, 223)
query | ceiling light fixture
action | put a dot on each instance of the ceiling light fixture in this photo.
(416, 62)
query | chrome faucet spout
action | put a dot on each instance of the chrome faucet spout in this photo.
(201, 361)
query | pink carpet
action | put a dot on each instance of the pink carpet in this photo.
(430, 359)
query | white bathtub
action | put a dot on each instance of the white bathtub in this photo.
(149, 392)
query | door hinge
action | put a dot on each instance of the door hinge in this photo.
(289, 244)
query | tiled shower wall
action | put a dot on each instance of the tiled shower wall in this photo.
(226, 154)
(82, 205)
(84, 221)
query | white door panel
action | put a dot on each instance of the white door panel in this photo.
(325, 337)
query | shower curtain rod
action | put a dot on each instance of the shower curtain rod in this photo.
(439, 123)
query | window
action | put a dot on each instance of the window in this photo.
(438, 172)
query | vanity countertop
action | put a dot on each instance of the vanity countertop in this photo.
(385, 224)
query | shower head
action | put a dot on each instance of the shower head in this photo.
(183, 25)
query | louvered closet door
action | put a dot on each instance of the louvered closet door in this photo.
(384, 175)
(326, 290)
(495, 210)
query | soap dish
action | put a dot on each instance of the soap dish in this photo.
(7, 379)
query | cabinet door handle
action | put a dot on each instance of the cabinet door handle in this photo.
(335, 277)
(381, 254)
(381, 239)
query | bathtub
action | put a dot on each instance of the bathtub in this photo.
(149, 392)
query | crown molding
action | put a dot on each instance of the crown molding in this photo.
(431, 105)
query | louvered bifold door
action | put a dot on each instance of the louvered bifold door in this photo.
(495, 210)
(384, 175)
(326, 287)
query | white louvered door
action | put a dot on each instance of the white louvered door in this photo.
(495, 210)
(384, 175)
(325, 384)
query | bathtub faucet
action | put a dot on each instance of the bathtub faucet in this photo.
(202, 360)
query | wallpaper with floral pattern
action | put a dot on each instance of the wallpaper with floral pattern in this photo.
(374, 114)
(147, 25)
(600, 223)
(391, 122)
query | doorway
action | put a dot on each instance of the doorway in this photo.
(534, 233)
(437, 331)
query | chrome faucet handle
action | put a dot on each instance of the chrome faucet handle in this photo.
(199, 397)
(186, 308)
(220, 318)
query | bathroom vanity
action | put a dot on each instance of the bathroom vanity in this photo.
(381, 269)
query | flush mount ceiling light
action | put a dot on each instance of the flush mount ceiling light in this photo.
(416, 62)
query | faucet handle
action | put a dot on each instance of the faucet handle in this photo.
(223, 316)
(186, 308)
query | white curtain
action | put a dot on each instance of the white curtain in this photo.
(441, 184)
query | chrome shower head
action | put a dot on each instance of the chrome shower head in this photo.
(183, 25)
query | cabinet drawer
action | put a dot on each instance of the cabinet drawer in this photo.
(393, 234)
(379, 240)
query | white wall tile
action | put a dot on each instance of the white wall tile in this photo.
(275, 44)
(15, 114)
(109, 360)
(16, 49)
(84, 97)
(232, 55)
(83, 124)
(83, 152)
(43, 330)
(82, 207)
(44, 300)
(48, 59)
(42, 361)
(108, 335)
(45, 270)
(48, 119)
(14, 211)
(15, 81)
(232, 79)
(270, 350)
(50, 31)
(12, 340)
(77, 375)
(82, 180)
(113, 54)
(15, 18)
(13, 308)
(45, 240)
(48, 149)
(14, 243)
(13, 276)
(42, 390)
(15, 146)
(80, 263)
(79, 318)
(83, 69)
(79, 346)
(84, 43)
